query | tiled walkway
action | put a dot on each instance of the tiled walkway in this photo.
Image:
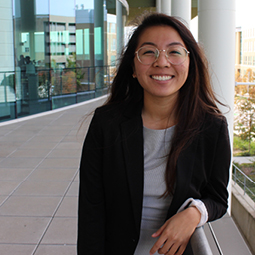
(39, 160)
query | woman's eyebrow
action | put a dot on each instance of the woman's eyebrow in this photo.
(148, 43)
(170, 44)
(175, 43)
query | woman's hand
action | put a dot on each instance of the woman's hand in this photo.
(174, 235)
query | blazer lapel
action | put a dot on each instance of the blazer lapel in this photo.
(132, 137)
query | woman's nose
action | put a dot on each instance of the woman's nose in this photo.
(162, 60)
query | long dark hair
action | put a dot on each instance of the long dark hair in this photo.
(196, 97)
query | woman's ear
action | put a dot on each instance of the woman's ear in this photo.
(134, 74)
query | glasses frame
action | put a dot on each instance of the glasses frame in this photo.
(158, 54)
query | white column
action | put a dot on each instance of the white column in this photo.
(182, 9)
(166, 7)
(158, 5)
(6, 35)
(216, 33)
(120, 26)
(6, 56)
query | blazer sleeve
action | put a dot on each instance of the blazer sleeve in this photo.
(215, 193)
(91, 208)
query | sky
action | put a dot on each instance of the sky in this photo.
(245, 13)
(62, 7)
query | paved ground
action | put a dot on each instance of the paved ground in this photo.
(39, 160)
(242, 160)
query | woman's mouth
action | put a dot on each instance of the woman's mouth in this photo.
(161, 77)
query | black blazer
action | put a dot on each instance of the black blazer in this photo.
(111, 178)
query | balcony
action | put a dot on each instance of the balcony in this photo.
(39, 160)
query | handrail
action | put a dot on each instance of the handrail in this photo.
(215, 238)
(62, 69)
(3, 72)
(244, 182)
(199, 243)
(244, 83)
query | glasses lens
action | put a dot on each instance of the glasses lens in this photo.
(147, 55)
(176, 54)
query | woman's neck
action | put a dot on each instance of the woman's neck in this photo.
(159, 113)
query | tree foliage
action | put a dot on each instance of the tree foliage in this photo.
(73, 68)
(244, 125)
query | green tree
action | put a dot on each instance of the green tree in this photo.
(72, 66)
(244, 118)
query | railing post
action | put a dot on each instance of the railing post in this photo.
(15, 94)
(244, 184)
(76, 98)
(49, 88)
(5, 88)
(61, 84)
(234, 174)
(89, 78)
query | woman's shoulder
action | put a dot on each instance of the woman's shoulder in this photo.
(119, 109)
(109, 110)
(215, 119)
(215, 124)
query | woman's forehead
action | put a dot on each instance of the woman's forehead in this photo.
(160, 36)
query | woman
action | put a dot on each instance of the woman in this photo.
(155, 161)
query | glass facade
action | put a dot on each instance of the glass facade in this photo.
(60, 53)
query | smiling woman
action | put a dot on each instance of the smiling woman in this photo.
(156, 157)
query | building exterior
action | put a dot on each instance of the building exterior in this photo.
(56, 53)
(245, 54)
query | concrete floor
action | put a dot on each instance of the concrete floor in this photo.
(39, 161)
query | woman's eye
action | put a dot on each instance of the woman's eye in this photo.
(149, 52)
(174, 52)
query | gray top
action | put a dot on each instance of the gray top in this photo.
(156, 148)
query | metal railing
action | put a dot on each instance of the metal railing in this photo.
(199, 243)
(23, 93)
(246, 183)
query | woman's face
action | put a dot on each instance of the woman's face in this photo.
(161, 79)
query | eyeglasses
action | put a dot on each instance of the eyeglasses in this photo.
(175, 54)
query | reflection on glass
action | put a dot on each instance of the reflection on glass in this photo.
(61, 48)
(86, 43)
(31, 19)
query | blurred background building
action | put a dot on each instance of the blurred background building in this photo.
(56, 53)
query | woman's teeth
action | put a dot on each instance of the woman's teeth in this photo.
(162, 78)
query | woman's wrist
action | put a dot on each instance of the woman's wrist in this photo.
(195, 214)
(200, 206)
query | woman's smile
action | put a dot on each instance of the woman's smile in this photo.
(162, 77)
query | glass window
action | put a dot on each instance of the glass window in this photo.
(79, 42)
(31, 27)
(98, 40)
(53, 36)
(86, 43)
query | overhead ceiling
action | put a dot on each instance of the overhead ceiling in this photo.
(137, 7)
